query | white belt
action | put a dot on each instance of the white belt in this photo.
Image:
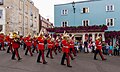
(65, 46)
(41, 43)
(28, 41)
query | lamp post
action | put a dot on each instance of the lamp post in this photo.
(73, 5)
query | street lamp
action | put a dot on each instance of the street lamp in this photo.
(73, 5)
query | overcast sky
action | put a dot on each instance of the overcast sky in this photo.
(46, 7)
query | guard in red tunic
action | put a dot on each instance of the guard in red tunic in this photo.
(9, 41)
(15, 45)
(35, 44)
(2, 41)
(72, 49)
(50, 47)
(53, 47)
(98, 48)
(41, 49)
(24, 43)
(66, 51)
(28, 43)
(57, 47)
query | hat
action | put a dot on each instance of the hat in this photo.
(57, 38)
(14, 35)
(52, 39)
(65, 35)
(1, 33)
(71, 36)
(41, 33)
(49, 36)
(97, 38)
(29, 34)
(35, 36)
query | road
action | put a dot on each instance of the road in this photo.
(82, 63)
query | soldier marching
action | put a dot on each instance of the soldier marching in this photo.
(64, 43)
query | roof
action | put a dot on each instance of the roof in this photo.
(77, 2)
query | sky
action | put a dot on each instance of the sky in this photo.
(46, 7)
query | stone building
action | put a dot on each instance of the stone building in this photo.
(45, 23)
(20, 16)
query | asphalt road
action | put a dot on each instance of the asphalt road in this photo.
(82, 63)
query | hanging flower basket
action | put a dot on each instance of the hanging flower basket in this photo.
(78, 29)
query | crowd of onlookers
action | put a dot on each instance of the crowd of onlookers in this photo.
(107, 48)
(89, 47)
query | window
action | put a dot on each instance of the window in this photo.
(64, 24)
(20, 18)
(26, 8)
(85, 22)
(26, 21)
(110, 22)
(1, 2)
(110, 8)
(20, 5)
(1, 28)
(1, 14)
(85, 10)
(64, 12)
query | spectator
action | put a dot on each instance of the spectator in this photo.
(110, 49)
(107, 49)
(86, 46)
(103, 47)
(116, 49)
(80, 46)
(90, 47)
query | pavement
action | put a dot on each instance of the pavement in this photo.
(82, 63)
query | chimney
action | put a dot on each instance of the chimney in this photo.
(47, 19)
(52, 24)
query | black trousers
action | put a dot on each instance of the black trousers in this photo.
(116, 52)
(28, 49)
(41, 52)
(15, 52)
(2, 46)
(100, 53)
(34, 48)
(65, 57)
(49, 52)
(9, 48)
(24, 46)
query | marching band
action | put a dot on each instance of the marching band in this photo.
(64, 43)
